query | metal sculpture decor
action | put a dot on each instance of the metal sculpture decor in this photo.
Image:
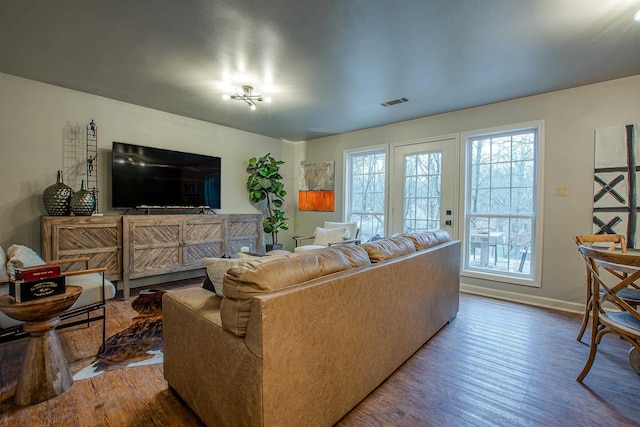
(615, 191)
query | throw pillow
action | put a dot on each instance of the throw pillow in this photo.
(21, 256)
(3, 267)
(216, 269)
(324, 236)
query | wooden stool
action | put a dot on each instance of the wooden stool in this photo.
(45, 372)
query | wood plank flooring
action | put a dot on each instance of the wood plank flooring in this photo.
(497, 364)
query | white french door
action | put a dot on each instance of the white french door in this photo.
(423, 188)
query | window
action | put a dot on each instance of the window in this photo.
(501, 203)
(365, 192)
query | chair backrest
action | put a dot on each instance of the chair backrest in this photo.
(614, 241)
(606, 291)
(352, 227)
(609, 242)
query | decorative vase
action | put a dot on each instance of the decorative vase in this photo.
(83, 202)
(56, 198)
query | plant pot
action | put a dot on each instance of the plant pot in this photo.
(276, 247)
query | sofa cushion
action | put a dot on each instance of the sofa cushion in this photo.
(21, 256)
(357, 256)
(426, 239)
(4, 276)
(384, 249)
(216, 268)
(268, 274)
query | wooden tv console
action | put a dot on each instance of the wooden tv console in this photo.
(136, 246)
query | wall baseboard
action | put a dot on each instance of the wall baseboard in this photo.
(555, 304)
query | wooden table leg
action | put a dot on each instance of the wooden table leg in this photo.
(45, 372)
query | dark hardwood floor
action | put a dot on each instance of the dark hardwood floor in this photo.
(497, 364)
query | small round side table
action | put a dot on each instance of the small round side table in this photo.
(45, 372)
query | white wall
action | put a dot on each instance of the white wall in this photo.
(570, 116)
(33, 116)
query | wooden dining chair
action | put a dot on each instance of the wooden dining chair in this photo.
(626, 321)
(610, 242)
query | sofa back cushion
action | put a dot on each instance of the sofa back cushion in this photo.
(426, 239)
(384, 249)
(356, 255)
(259, 276)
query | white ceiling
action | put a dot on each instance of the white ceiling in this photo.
(328, 64)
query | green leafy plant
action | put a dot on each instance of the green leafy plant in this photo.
(265, 183)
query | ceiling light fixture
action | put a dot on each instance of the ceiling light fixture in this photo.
(247, 96)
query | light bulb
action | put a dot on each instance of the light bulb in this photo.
(226, 97)
(253, 106)
(636, 17)
(267, 99)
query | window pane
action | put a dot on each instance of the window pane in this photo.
(501, 175)
(501, 201)
(522, 174)
(522, 201)
(501, 149)
(481, 176)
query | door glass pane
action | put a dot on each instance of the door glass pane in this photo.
(422, 190)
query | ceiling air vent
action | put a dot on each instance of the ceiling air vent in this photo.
(394, 102)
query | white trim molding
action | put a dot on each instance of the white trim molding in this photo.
(556, 304)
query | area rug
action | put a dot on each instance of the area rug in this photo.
(139, 344)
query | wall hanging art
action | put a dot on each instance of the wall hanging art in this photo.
(616, 187)
(317, 187)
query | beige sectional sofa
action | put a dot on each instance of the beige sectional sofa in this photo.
(299, 340)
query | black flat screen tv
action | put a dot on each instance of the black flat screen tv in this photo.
(163, 178)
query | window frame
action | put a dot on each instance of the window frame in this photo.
(348, 156)
(534, 279)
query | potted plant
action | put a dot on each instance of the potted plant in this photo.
(265, 183)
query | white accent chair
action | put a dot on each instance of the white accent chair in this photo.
(332, 233)
(96, 290)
